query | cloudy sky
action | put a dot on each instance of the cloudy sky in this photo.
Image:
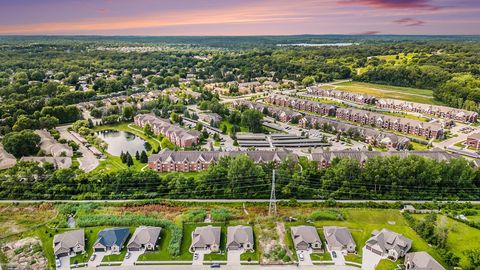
(239, 17)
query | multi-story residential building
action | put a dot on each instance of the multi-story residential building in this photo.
(404, 125)
(282, 114)
(302, 104)
(343, 95)
(365, 134)
(324, 159)
(437, 111)
(191, 161)
(175, 133)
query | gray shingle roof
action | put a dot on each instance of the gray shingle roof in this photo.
(307, 234)
(63, 242)
(422, 261)
(338, 237)
(239, 234)
(207, 235)
(144, 235)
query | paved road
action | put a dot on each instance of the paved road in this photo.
(88, 161)
(242, 267)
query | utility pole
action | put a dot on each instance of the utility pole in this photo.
(272, 208)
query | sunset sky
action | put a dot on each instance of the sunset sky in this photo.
(238, 17)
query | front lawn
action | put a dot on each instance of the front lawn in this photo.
(321, 256)
(387, 265)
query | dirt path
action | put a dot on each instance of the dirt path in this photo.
(281, 234)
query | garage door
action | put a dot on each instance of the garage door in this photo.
(133, 249)
(100, 250)
(62, 254)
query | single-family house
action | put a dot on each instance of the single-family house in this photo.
(111, 239)
(339, 239)
(144, 238)
(206, 238)
(305, 238)
(388, 244)
(421, 261)
(240, 237)
(69, 243)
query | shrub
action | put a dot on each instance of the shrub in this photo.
(326, 215)
(221, 214)
(195, 215)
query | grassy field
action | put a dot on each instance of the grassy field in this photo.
(461, 237)
(387, 91)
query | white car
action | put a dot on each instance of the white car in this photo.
(58, 263)
(300, 257)
(195, 256)
(128, 255)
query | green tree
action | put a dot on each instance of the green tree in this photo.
(24, 122)
(23, 143)
(143, 157)
(252, 119)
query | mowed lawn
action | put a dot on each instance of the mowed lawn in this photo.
(362, 222)
(387, 91)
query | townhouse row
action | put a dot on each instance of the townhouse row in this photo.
(398, 105)
(192, 161)
(176, 134)
(404, 125)
(343, 95)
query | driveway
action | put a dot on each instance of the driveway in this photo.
(88, 161)
(65, 261)
(199, 260)
(339, 260)
(369, 259)
(133, 257)
(97, 260)
(307, 260)
(233, 256)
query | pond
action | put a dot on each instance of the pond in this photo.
(119, 141)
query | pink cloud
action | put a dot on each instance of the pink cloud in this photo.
(367, 33)
(409, 22)
(393, 4)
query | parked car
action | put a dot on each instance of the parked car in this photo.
(128, 255)
(215, 265)
(195, 256)
(334, 254)
(300, 257)
(93, 257)
(58, 263)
